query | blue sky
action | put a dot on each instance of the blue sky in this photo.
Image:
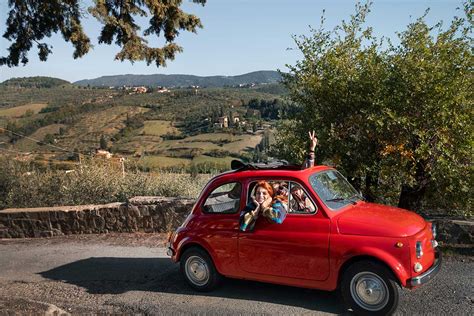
(239, 36)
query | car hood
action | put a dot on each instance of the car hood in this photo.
(371, 219)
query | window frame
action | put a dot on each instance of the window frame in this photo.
(239, 204)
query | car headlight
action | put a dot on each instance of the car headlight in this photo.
(419, 249)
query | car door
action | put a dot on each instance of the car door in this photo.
(297, 248)
(218, 224)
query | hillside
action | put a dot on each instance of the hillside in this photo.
(35, 82)
(173, 130)
(258, 77)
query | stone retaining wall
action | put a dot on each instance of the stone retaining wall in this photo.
(141, 214)
(145, 214)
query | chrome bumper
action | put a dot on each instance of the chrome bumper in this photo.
(430, 273)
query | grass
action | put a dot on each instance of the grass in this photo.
(244, 143)
(158, 128)
(24, 144)
(158, 162)
(19, 111)
(86, 133)
(224, 161)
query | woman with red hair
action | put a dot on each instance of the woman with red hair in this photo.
(272, 207)
(261, 200)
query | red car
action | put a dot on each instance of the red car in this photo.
(336, 241)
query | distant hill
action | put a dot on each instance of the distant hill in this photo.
(183, 80)
(35, 82)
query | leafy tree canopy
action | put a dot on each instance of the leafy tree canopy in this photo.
(397, 119)
(30, 22)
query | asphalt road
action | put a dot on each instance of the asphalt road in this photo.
(131, 274)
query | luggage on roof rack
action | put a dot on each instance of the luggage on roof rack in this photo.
(276, 164)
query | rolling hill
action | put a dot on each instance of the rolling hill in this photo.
(34, 82)
(257, 77)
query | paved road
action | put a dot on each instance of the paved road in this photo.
(130, 274)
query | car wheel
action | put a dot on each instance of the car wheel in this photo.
(369, 288)
(199, 270)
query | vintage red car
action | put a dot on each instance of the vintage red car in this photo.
(339, 241)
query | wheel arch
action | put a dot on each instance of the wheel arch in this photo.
(399, 275)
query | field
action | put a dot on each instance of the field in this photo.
(19, 111)
(163, 162)
(25, 144)
(158, 128)
(158, 131)
(215, 141)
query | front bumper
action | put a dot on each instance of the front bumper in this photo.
(430, 273)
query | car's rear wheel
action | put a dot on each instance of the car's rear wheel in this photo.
(369, 288)
(199, 270)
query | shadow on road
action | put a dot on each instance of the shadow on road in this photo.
(119, 275)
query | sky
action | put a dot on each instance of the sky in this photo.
(239, 36)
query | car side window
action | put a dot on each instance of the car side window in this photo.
(299, 200)
(291, 193)
(224, 199)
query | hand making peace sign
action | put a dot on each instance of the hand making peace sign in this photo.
(313, 140)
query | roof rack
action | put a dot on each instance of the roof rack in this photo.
(275, 164)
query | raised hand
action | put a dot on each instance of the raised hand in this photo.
(313, 141)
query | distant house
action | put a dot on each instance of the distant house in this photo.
(223, 122)
(140, 89)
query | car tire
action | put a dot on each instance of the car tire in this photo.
(369, 288)
(199, 270)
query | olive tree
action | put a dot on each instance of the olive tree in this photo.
(395, 118)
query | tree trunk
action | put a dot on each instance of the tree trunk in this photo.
(411, 197)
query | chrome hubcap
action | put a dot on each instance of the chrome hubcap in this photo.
(197, 270)
(369, 291)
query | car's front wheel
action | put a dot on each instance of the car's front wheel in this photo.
(369, 288)
(199, 270)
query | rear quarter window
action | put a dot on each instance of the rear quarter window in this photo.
(225, 199)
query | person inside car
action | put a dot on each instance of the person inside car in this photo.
(273, 207)
(261, 200)
(299, 201)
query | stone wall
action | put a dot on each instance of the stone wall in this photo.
(141, 214)
(145, 214)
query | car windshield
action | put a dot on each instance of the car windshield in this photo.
(333, 189)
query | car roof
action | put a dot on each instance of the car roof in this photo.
(289, 171)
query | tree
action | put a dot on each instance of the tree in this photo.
(430, 102)
(30, 21)
(103, 143)
(395, 118)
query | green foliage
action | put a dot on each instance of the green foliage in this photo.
(25, 185)
(103, 143)
(35, 82)
(272, 109)
(395, 118)
(30, 21)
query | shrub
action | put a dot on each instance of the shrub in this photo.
(22, 184)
